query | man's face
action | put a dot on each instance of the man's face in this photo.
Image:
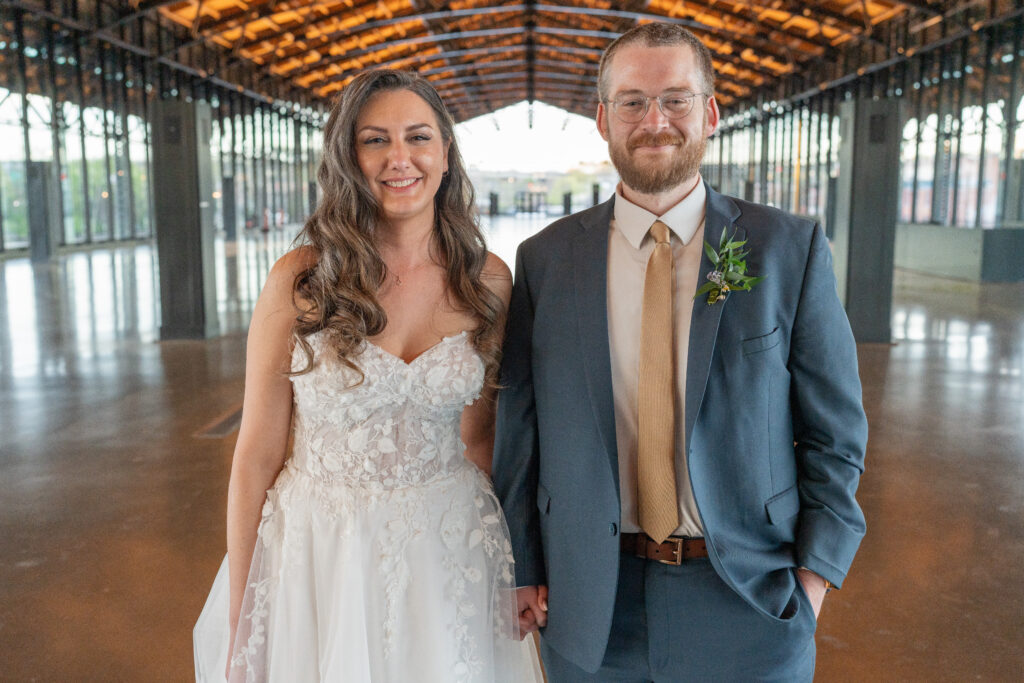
(657, 154)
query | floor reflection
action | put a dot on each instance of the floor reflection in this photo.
(504, 233)
(242, 268)
(75, 308)
(114, 508)
(79, 306)
(943, 493)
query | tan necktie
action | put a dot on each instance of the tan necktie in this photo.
(656, 476)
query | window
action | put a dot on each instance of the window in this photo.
(13, 183)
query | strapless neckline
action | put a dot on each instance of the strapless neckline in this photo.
(440, 344)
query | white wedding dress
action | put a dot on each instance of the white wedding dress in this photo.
(382, 553)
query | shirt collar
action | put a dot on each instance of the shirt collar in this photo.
(683, 219)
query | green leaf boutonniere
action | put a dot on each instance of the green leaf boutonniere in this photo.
(730, 269)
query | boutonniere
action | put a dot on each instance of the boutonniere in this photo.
(730, 269)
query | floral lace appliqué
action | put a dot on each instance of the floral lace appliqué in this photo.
(381, 465)
(399, 427)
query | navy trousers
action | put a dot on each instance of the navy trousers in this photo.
(683, 623)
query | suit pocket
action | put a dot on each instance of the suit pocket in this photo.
(783, 506)
(762, 343)
(543, 500)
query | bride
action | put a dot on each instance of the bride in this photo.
(376, 551)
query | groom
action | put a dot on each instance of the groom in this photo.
(678, 473)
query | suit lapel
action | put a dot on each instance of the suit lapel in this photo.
(590, 272)
(705, 319)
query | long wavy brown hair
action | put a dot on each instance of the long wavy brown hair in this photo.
(339, 292)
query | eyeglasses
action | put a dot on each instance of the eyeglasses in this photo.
(632, 107)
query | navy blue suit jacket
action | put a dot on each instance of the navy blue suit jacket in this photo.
(775, 428)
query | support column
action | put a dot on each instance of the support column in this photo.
(866, 205)
(183, 218)
(227, 198)
(1014, 191)
(43, 225)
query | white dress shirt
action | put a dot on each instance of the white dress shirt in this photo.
(629, 248)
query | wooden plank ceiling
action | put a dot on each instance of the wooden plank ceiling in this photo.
(482, 55)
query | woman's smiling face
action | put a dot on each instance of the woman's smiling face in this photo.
(402, 154)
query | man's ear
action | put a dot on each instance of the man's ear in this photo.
(711, 125)
(602, 120)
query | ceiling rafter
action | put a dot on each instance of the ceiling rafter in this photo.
(692, 24)
(416, 60)
(748, 41)
(406, 42)
(410, 61)
(516, 94)
(412, 17)
(504, 63)
(132, 13)
(471, 89)
(587, 93)
(507, 75)
(309, 49)
(269, 9)
(819, 11)
(505, 98)
(924, 6)
(358, 37)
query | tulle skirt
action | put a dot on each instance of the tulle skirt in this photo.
(363, 584)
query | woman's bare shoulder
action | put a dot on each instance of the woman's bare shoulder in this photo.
(297, 261)
(280, 287)
(497, 277)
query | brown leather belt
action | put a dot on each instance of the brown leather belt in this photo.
(674, 550)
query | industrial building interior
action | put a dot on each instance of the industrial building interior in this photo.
(128, 274)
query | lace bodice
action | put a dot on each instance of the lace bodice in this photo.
(382, 552)
(399, 427)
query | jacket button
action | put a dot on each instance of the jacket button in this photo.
(613, 528)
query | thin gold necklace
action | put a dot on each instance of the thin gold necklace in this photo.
(398, 278)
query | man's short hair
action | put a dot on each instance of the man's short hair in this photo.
(657, 34)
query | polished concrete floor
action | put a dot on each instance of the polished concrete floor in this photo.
(115, 450)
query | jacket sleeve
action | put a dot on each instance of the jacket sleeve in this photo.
(829, 426)
(515, 466)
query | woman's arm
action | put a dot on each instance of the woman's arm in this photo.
(478, 419)
(266, 419)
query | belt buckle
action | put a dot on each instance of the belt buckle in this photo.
(678, 552)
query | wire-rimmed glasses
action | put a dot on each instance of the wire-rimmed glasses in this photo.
(633, 107)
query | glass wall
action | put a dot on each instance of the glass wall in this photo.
(782, 157)
(81, 108)
(72, 177)
(962, 148)
(13, 187)
(261, 164)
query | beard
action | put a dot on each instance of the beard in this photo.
(657, 175)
